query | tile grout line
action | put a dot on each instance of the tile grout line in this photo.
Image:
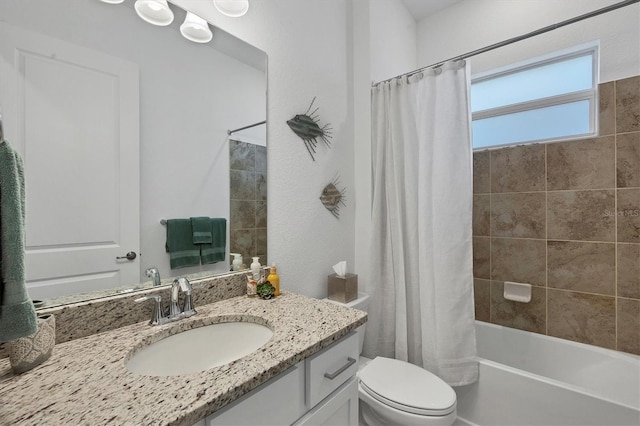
(546, 244)
(568, 290)
(490, 245)
(612, 188)
(551, 239)
(615, 209)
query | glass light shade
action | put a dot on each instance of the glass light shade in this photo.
(233, 8)
(155, 12)
(196, 29)
(112, 1)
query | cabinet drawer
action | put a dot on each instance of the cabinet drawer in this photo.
(331, 367)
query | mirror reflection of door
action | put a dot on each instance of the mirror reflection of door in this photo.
(190, 95)
(73, 115)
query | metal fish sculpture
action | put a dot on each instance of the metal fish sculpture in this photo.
(307, 128)
(332, 197)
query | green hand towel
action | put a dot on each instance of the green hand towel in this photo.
(179, 245)
(17, 314)
(216, 251)
(201, 230)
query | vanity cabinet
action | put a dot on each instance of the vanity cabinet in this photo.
(322, 389)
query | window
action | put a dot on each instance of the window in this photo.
(549, 98)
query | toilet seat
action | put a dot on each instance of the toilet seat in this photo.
(407, 387)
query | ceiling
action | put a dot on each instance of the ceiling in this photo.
(420, 9)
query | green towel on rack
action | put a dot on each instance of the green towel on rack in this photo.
(179, 245)
(17, 313)
(201, 230)
(216, 251)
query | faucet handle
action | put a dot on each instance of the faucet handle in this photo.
(186, 287)
(156, 314)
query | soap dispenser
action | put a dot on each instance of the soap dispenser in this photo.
(237, 261)
(274, 279)
(255, 268)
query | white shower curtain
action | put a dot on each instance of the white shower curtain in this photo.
(422, 307)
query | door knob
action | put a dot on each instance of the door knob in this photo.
(129, 256)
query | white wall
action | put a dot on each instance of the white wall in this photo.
(473, 24)
(190, 95)
(383, 46)
(360, 79)
(393, 39)
(306, 42)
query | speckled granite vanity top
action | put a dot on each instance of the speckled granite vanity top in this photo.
(85, 380)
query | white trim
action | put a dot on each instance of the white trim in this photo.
(583, 95)
(535, 142)
(557, 56)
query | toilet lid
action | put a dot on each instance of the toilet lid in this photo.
(407, 387)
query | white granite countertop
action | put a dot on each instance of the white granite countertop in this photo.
(85, 380)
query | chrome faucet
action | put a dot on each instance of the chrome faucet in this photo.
(181, 284)
(175, 313)
(154, 275)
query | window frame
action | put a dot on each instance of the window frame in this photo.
(591, 95)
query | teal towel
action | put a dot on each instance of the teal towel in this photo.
(216, 251)
(17, 313)
(201, 230)
(179, 245)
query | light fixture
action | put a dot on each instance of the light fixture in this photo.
(233, 8)
(112, 1)
(155, 12)
(196, 29)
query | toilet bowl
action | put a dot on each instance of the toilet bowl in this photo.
(395, 392)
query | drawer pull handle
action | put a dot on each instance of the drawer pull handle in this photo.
(331, 376)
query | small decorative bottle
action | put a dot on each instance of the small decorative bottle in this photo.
(252, 286)
(255, 268)
(274, 279)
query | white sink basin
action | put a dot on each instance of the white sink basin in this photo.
(199, 349)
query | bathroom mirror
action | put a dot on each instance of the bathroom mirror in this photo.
(178, 98)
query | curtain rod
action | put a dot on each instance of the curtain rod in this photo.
(254, 124)
(519, 38)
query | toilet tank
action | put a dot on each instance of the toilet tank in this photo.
(361, 303)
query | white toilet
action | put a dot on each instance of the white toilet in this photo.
(394, 392)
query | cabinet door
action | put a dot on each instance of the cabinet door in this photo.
(280, 401)
(339, 408)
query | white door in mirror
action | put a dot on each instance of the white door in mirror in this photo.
(82, 208)
(199, 349)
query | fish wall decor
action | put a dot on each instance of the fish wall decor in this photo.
(332, 197)
(307, 128)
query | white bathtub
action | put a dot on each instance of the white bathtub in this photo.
(532, 379)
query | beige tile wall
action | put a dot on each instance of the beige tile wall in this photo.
(565, 217)
(248, 201)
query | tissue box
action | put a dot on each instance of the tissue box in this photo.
(341, 289)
